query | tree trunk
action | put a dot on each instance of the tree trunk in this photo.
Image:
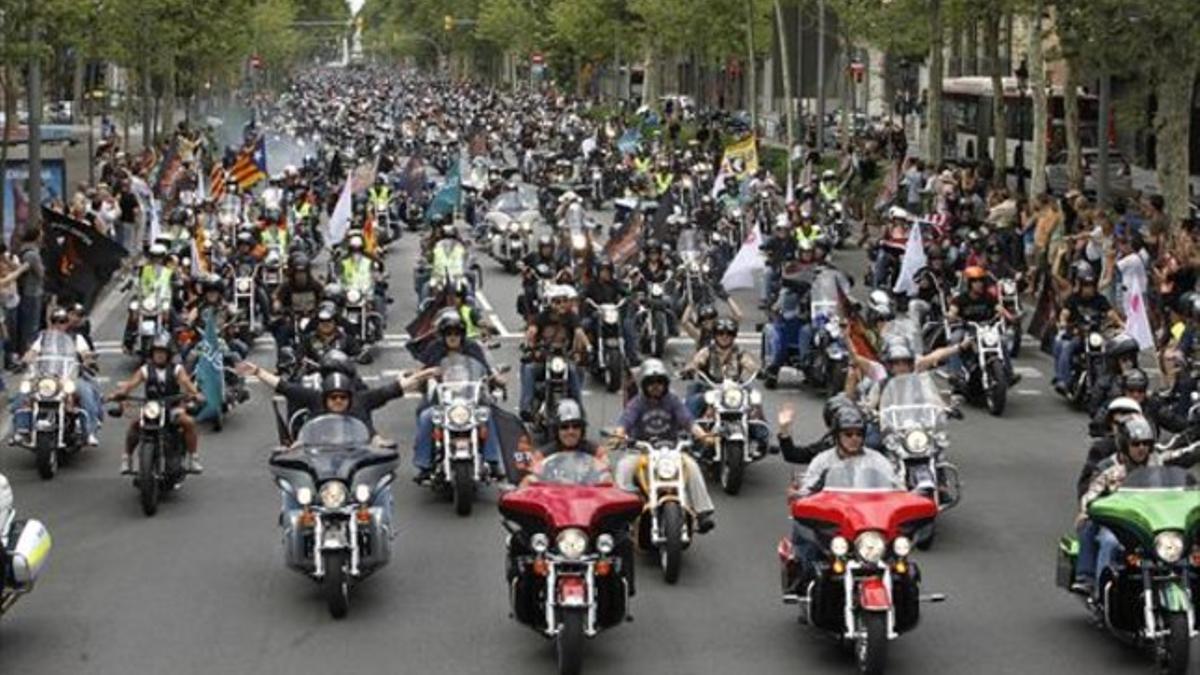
(77, 86)
(1037, 86)
(1172, 129)
(955, 66)
(999, 110)
(933, 112)
(35, 130)
(168, 102)
(1071, 121)
(650, 76)
(788, 103)
(820, 123)
(971, 49)
(751, 67)
(1102, 160)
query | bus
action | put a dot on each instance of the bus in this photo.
(967, 119)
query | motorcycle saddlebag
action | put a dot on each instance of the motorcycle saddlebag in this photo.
(1068, 553)
(27, 552)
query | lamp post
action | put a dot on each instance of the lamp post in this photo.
(1022, 74)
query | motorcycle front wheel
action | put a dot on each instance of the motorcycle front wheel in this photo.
(733, 467)
(334, 586)
(46, 457)
(871, 647)
(1175, 646)
(147, 479)
(997, 394)
(464, 488)
(569, 643)
(670, 552)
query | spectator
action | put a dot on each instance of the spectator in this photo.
(10, 270)
(31, 287)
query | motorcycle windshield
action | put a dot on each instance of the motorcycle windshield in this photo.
(515, 202)
(1160, 478)
(910, 402)
(907, 329)
(573, 468)
(824, 298)
(461, 377)
(334, 430)
(57, 356)
(857, 477)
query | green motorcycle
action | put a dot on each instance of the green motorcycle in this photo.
(1146, 597)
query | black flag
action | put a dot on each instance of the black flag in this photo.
(79, 261)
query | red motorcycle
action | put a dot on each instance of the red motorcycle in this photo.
(570, 554)
(853, 538)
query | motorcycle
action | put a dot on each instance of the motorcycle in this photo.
(1147, 597)
(987, 373)
(24, 550)
(570, 559)
(56, 426)
(1010, 299)
(145, 322)
(608, 353)
(731, 402)
(835, 223)
(339, 532)
(160, 451)
(865, 590)
(551, 388)
(1087, 365)
(460, 428)
(911, 420)
(827, 362)
(652, 318)
(245, 302)
(511, 219)
(668, 522)
(364, 320)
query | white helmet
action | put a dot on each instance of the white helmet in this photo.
(1123, 404)
(898, 213)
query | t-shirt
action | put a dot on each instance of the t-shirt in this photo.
(31, 283)
(129, 205)
(1079, 308)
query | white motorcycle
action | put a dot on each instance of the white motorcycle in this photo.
(24, 550)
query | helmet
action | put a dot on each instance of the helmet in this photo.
(356, 242)
(847, 417)
(898, 350)
(654, 246)
(299, 262)
(545, 241)
(245, 237)
(1085, 273)
(333, 293)
(1122, 404)
(449, 319)
(652, 370)
(606, 264)
(726, 325)
(336, 360)
(212, 284)
(706, 313)
(828, 174)
(569, 410)
(327, 311)
(158, 250)
(974, 273)
(163, 342)
(336, 382)
(879, 305)
(59, 315)
(832, 405)
(1134, 430)
(897, 213)
(1135, 379)
(1121, 346)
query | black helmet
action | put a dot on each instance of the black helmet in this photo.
(654, 246)
(606, 264)
(569, 410)
(706, 313)
(832, 405)
(245, 237)
(1134, 430)
(60, 315)
(1121, 346)
(179, 216)
(299, 262)
(449, 320)
(1085, 273)
(336, 382)
(1135, 379)
(163, 342)
(333, 292)
(212, 283)
(337, 361)
(848, 417)
(726, 325)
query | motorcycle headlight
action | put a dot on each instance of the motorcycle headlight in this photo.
(134, 305)
(839, 546)
(354, 297)
(917, 442)
(833, 330)
(26, 387)
(515, 228)
(990, 338)
(1095, 341)
(333, 494)
(870, 546)
(527, 226)
(304, 496)
(667, 468)
(152, 410)
(1168, 546)
(69, 387)
(732, 397)
(47, 387)
(605, 544)
(755, 397)
(610, 315)
(459, 415)
(243, 285)
(558, 365)
(578, 242)
(902, 546)
(572, 543)
(150, 305)
(705, 268)
(656, 290)
(539, 542)
(1008, 287)
(362, 493)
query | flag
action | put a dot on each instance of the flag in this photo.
(168, 170)
(339, 221)
(78, 260)
(623, 243)
(412, 178)
(629, 141)
(745, 150)
(251, 164)
(911, 263)
(209, 370)
(447, 198)
(740, 273)
(216, 179)
(368, 231)
(891, 186)
(1137, 320)
(515, 443)
(421, 330)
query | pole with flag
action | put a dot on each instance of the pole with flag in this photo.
(740, 273)
(339, 221)
(913, 261)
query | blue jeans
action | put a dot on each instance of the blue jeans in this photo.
(1064, 353)
(89, 402)
(423, 446)
(29, 318)
(533, 372)
(784, 335)
(1098, 549)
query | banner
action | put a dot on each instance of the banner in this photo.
(911, 263)
(412, 177)
(448, 197)
(16, 191)
(78, 260)
(167, 171)
(623, 243)
(209, 371)
(740, 273)
(744, 152)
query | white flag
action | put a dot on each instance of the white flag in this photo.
(1133, 278)
(914, 260)
(740, 273)
(339, 222)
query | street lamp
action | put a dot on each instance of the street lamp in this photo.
(1022, 74)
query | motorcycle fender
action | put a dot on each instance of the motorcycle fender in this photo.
(334, 539)
(1173, 597)
(572, 592)
(873, 596)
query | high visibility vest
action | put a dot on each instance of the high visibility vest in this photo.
(663, 182)
(641, 165)
(809, 234)
(303, 210)
(356, 273)
(273, 235)
(156, 282)
(472, 331)
(830, 191)
(448, 261)
(380, 196)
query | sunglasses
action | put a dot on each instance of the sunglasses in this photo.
(854, 433)
(727, 333)
(571, 425)
(339, 397)
(1140, 444)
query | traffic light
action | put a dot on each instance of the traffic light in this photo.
(448, 23)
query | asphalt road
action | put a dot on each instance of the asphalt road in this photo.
(201, 587)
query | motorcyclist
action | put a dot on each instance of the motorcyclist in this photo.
(297, 297)
(780, 248)
(979, 303)
(570, 435)
(1120, 357)
(1084, 304)
(655, 268)
(606, 289)
(88, 395)
(1104, 432)
(156, 278)
(701, 328)
(720, 359)
(556, 329)
(830, 188)
(358, 271)
(327, 335)
(540, 263)
(162, 378)
(656, 413)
